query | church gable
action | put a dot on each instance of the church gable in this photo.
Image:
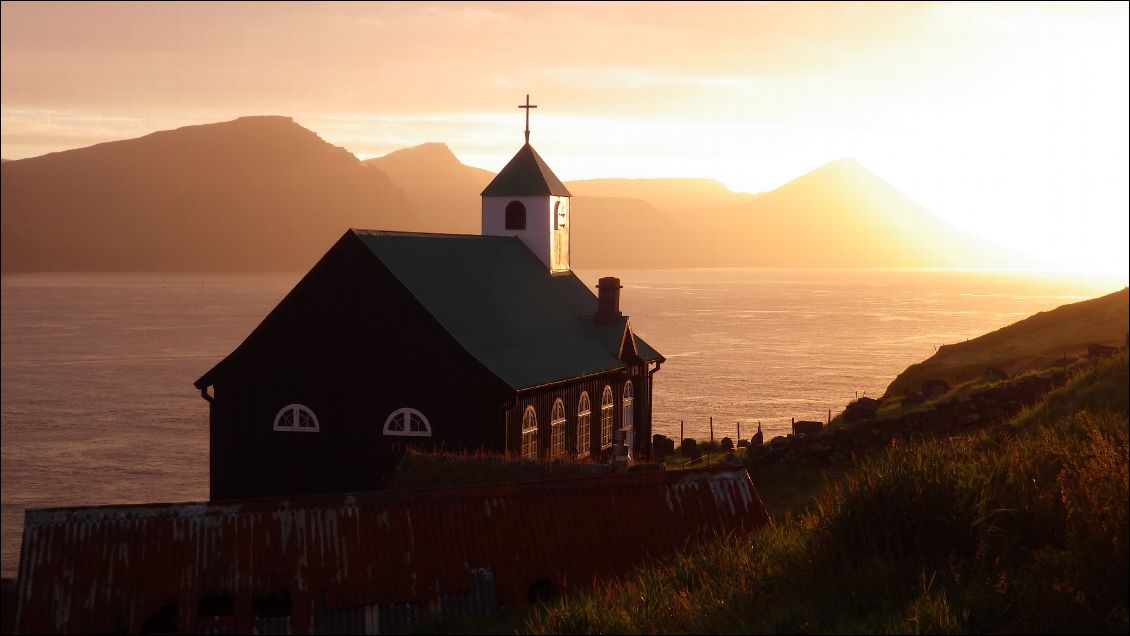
(348, 324)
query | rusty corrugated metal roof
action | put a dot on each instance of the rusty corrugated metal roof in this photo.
(111, 568)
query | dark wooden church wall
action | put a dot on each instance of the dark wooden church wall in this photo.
(570, 394)
(383, 352)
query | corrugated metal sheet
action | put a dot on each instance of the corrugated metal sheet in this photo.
(360, 563)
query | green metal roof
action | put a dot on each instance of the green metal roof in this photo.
(526, 175)
(501, 303)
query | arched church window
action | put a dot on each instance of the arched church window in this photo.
(407, 422)
(606, 405)
(529, 434)
(515, 215)
(296, 418)
(584, 425)
(557, 430)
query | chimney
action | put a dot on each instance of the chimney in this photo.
(608, 300)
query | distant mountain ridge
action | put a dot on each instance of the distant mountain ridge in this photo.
(256, 193)
(438, 185)
(265, 194)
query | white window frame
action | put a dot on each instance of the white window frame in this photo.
(584, 425)
(557, 429)
(529, 432)
(406, 413)
(607, 417)
(294, 410)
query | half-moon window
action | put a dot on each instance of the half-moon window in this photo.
(296, 418)
(515, 215)
(407, 422)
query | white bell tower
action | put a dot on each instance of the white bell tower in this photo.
(528, 201)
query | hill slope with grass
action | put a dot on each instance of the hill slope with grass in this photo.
(1033, 343)
(1015, 528)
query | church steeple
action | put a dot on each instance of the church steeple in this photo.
(528, 201)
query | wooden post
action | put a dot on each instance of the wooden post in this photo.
(739, 430)
(681, 435)
(711, 429)
(829, 417)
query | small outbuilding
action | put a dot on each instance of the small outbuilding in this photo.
(364, 563)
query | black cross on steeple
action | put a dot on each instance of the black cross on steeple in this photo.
(527, 106)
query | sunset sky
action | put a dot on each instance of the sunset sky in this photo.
(1008, 119)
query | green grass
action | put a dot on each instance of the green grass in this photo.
(1021, 529)
(789, 491)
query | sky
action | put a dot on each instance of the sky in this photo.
(1008, 119)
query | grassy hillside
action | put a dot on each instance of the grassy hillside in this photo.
(1014, 528)
(1032, 343)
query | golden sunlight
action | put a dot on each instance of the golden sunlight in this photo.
(1007, 119)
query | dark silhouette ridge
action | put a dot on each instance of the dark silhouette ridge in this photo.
(253, 194)
(265, 194)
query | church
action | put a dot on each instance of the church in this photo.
(448, 342)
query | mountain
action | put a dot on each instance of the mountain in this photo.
(263, 193)
(256, 193)
(839, 215)
(1033, 343)
(842, 215)
(673, 194)
(444, 191)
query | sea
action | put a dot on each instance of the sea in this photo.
(98, 405)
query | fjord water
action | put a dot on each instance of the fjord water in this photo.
(97, 369)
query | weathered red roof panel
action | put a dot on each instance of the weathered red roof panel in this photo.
(112, 568)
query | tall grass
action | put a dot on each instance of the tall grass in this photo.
(1018, 529)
